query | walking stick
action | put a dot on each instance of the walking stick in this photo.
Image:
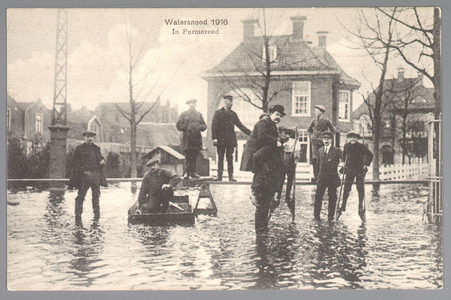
(362, 212)
(292, 203)
(343, 179)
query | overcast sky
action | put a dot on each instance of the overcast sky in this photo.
(171, 64)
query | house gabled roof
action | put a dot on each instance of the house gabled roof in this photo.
(292, 57)
(167, 149)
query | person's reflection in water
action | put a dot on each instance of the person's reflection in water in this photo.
(55, 211)
(275, 257)
(88, 246)
(339, 251)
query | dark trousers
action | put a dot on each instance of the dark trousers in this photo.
(315, 168)
(359, 177)
(191, 161)
(331, 185)
(262, 209)
(89, 181)
(228, 151)
(288, 171)
(160, 203)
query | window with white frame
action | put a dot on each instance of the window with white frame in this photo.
(344, 99)
(301, 98)
(38, 123)
(272, 50)
(8, 119)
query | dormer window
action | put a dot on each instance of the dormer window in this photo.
(272, 50)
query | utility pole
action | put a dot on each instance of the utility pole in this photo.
(59, 128)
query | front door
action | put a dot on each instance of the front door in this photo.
(304, 146)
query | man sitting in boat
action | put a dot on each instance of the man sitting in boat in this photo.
(157, 188)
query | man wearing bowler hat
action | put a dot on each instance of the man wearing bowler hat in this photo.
(262, 156)
(191, 124)
(357, 158)
(87, 173)
(157, 188)
(315, 130)
(328, 160)
(224, 137)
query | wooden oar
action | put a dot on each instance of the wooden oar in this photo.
(343, 179)
(176, 206)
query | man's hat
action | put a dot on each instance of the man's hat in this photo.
(279, 108)
(320, 107)
(286, 129)
(228, 97)
(354, 134)
(327, 134)
(88, 132)
(152, 161)
(191, 101)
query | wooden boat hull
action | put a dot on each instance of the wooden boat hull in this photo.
(172, 217)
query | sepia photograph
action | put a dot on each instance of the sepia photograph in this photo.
(177, 149)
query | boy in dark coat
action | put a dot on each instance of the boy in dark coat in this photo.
(328, 160)
(357, 159)
(191, 123)
(87, 173)
(288, 168)
(224, 137)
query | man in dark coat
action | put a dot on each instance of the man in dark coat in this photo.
(315, 130)
(262, 156)
(191, 124)
(328, 160)
(87, 173)
(357, 159)
(224, 137)
(157, 188)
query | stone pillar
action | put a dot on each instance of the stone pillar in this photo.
(58, 153)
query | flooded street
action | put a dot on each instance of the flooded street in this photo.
(394, 249)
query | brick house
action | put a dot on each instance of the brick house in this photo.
(302, 76)
(405, 99)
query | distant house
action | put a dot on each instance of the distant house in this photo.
(169, 158)
(407, 103)
(303, 76)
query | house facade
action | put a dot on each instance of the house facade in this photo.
(406, 104)
(301, 76)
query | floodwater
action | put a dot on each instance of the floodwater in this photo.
(393, 249)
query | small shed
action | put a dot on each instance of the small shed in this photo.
(170, 159)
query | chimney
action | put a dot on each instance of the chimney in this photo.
(248, 28)
(322, 38)
(298, 27)
(401, 73)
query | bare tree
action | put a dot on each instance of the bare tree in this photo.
(136, 88)
(375, 35)
(260, 78)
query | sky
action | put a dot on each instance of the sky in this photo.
(170, 65)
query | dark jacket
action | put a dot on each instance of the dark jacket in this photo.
(328, 164)
(356, 157)
(80, 165)
(153, 181)
(223, 127)
(317, 127)
(191, 124)
(264, 134)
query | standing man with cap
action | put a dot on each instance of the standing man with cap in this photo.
(328, 160)
(157, 188)
(224, 137)
(315, 130)
(262, 156)
(357, 159)
(87, 173)
(191, 124)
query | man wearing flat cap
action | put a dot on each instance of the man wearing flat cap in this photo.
(224, 137)
(315, 130)
(262, 156)
(357, 158)
(157, 188)
(328, 160)
(87, 173)
(191, 124)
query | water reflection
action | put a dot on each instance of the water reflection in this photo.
(86, 250)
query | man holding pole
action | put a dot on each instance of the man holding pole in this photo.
(357, 159)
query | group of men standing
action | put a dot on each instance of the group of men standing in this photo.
(269, 154)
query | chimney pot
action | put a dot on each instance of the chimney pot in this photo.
(322, 38)
(401, 73)
(298, 27)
